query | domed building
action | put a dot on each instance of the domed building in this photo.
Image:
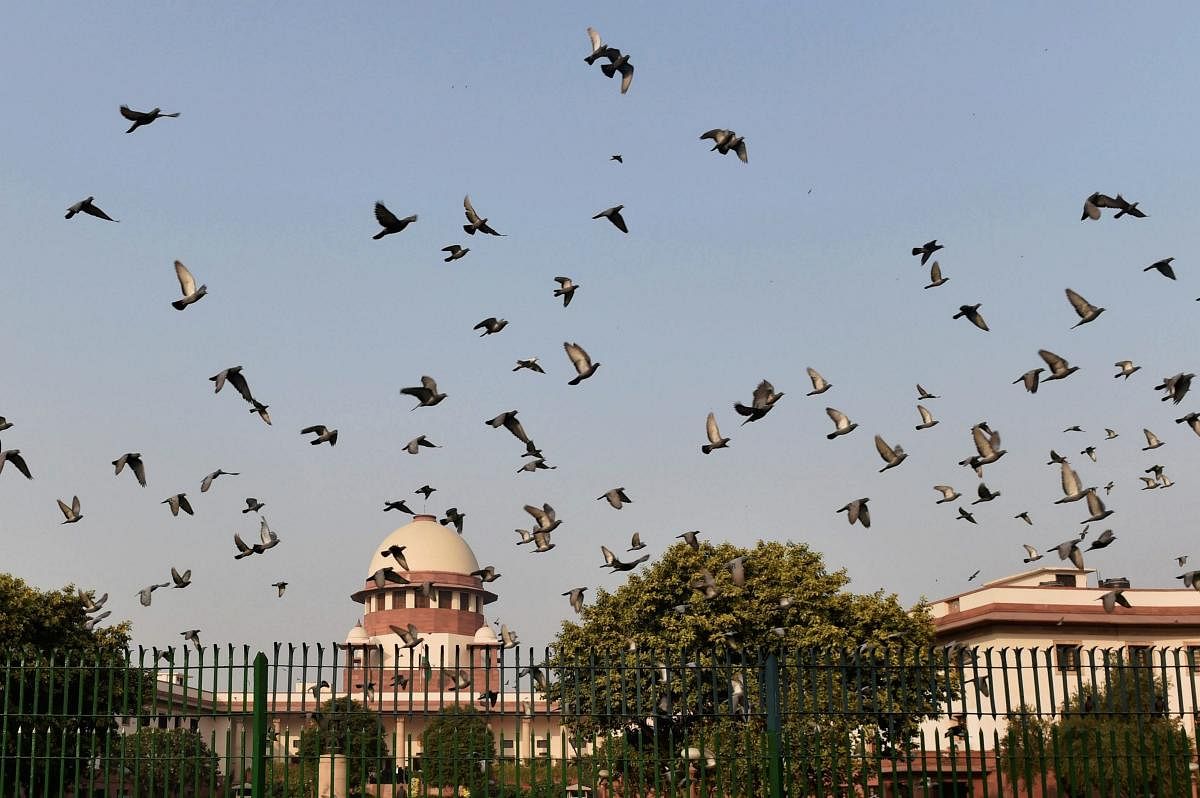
(439, 597)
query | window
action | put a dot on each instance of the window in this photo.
(1193, 657)
(1141, 656)
(397, 599)
(194, 724)
(952, 605)
(1065, 580)
(444, 599)
(1066, 656)
(420, 600)
(464, 601)
(506, 745)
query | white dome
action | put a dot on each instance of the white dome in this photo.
(357, 636)
(484, 635)
(429, 546)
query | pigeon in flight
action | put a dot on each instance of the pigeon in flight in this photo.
(1031, 554)
(1024, 516)
(474, 222)
(971, 578)
(935, 276)
(414, 446)
(89, 207)
(453, 516)
(618, 62)
(139, 118)
(841, 423)
(924, 394)
(146, 593)
(546, 519)
(192, 636)
(389, 221)
(233, 375)
(613, 214)
(635, 543)
(584, 367)
(566, 289)
(715, 441)
(1176, 387)
(761, 402)
(1084, 309)
(324, 434)
(726, 141)
(71, 513)
(397, 505)
(1073, 490)
(926, 250)
(575, 596)
(1112, 598)
(1163, 267)
(181, 580)
(1192, 420)
(397, 555)
(253, 505)
(819, 383)
(536, 464)
(1109, 434)
(927, 419)
(426, 491)
(1059, 368)
(611, 561)
(966, 516)
(1126, 368)
(541, 542)
(5, 424)
(487, 574)
(455, 252)
(1103, 540)
(617, 158)
(1069, 550)
(599, 48)
(1182, 560)
(426, 393)
(207, 482)
(892, 455)
(1152, 441)
(1090, 452)
(616, 497)
(261, 409)
(949, 494)
(971, 313)
(134, 461)
(985, 494)
(857, 512)
(178, 502)
(691, 539)
(987, 444)
(490, 326)
(1030, 379)
(509, 421)
(187, 285)
(529, 363)
(1096, 508)
(383, 576)
(280, 587)
(409, 635)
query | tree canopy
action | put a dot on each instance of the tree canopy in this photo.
(345, 726)
(674, 660)
(457, 749)
(168, 761)
(50, 706)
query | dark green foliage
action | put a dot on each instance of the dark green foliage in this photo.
(1114, 738)
(344, 726)
(168, 761)
(457, 749)
(65, 697)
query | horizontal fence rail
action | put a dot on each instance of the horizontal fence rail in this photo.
(882, 721)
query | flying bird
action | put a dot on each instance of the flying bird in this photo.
(575, 597)
(397, 505)
(1176, 387)
(146, 593)
(1096, 509)
(1059, 368)
(966, 516)
(397, 554)
(584, 367)
(971, 313)
(426, 393)
(1163, 267)
(566, 289)
(187, 285)
(611, 561)
(178, 502)
(545, 517)
(927, 419)
(207, 482)
(280, 587)
(529, 363)
(1073, 490)
(71, 513)
(389, 221)
(414, 446)
(425, 491)
(1103, 540)
(1126, 368)
(1069, 550)
(1090, 452)
(926, 250)
(1192, 420)
(715, 441)
(509, 421)
(616, 497)
(1024, 516)
(490, 326)
(726, 141)
(1031, 554)
(253, 505)
(89, 207)
(617, 158)
(181, 580)
(134, 461)
(261, 409)
(453, 516)
(924, 394)
(487, 574)
(140, 118)
(841, 423)
(857, 512)
(599, 48)
(949, 494)
(541, 542)
(613, 214)
(819, 383)
(1112, 598)
(474, 222)
(387, 574)
(635, 543)
(1030, 379)
(935, 276)
(987, 445)
(985, 494)
(691, 539)
(892, 455)
(1109, 434)
(409, 635)
(323, 434)
(233, 375)
(455, 252)
(1152, 441)
(1085, 310)
(618, 62)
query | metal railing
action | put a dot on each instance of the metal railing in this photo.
(331, 720)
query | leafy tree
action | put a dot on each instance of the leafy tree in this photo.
(165, 761)
(675, 665)
(1111, 738)
(345, 726)
(457, 749)
(62, 687)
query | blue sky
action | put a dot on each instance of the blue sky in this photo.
(870, 130)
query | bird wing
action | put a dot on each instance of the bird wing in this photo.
(132, 115)
(717, 134)
(609, 557)
(983, 444)
(430, 383)
(935, 273)
(886, 452)
(472, 217)
(1151, 438)
(1055, 362)
(1105, 201)
(1076, 557)
(818, 382)
(579, 358)
(207, 482)
(1081, 305)
(238, 381)
(1070, 480)
(187, 283)
(594, 36)
(385, 217)
(241, 544)
(945, 490)
(139, 470)
(926, 416)
(616, 218)
(1095, 504)
(565, 282)
(541, 516)
(626, 70)
(320, 429)
(839, 418)
(66, 511)
(710, 427)
(176, 577)
(1030, 551)
(763, 392)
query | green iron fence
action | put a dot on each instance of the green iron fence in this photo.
(336, 720)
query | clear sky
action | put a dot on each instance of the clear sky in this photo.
(870, 130)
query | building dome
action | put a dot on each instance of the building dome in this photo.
(484, 636)
(429, 546)
(358, 636)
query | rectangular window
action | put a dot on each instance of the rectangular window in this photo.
(1065, 580)
(397, 599)
(1066, 656)
(444, 599)
(464, 602)
(420, 600)
(952, 605)
(506, 745)
(1141, 656)
(194, 724)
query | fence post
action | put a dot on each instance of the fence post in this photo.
(774, 727)
(258, 773)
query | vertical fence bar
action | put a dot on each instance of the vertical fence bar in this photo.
(774, 727)
(258, 773)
